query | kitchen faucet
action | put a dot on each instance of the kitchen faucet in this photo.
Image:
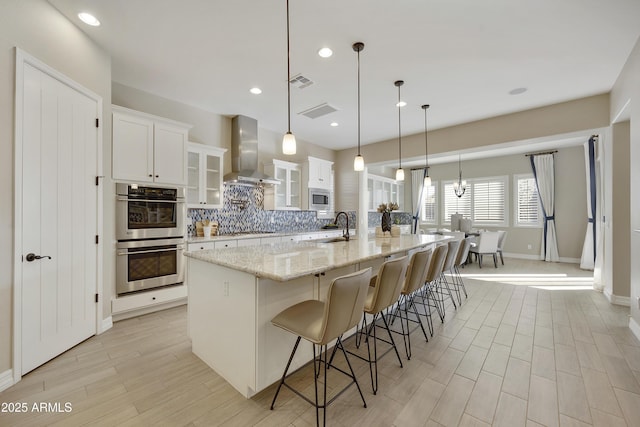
(345, 232)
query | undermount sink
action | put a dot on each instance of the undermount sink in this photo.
(334, 240)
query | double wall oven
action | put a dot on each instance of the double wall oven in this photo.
(150, 229)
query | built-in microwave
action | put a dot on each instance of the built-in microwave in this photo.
(319, 199)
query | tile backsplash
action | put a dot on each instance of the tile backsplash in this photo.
(243, 211)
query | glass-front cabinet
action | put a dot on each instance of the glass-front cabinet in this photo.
(204, 169)
(286, 195)
(384, 190)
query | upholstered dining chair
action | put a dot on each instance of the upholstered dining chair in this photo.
(501, 239)
(486, 244)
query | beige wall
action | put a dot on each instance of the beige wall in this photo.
(627, 90)
(37, 28)
(211, 128)
(566, 117)
(571, 223)
(620, 222)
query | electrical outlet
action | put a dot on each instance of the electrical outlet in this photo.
(226, 289)
(529, 246)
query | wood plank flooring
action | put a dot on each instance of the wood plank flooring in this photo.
(529, 347)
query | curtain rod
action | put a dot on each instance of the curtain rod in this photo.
(420, 169)
(540, 153)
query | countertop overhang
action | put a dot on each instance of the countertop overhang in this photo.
(290, 260)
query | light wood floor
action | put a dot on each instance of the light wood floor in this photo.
(528, 347)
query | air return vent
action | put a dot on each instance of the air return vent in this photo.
(300, 81)
(318, 111)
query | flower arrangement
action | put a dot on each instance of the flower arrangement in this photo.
(391, 206)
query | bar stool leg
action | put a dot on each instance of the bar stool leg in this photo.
(353, 374)
(286, 369)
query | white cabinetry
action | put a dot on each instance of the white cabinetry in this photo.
(287, 195)
(148, 148)
(384, 190)
(146, 302)
(204, 170)
(200, 246)
(319, 173)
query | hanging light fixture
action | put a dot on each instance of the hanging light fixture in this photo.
(459, 187)
(427, 178)
(358, 162)
(288, 141)
(400, 171)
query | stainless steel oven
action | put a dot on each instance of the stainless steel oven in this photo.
(145, 264)
(144, 212)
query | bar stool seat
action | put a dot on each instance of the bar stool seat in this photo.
(322, 322)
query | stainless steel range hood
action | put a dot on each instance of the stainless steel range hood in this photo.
(244, 154)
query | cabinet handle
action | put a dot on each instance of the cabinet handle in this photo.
(150, 176)
(157, 176)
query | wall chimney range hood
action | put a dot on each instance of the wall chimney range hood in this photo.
(244, 154)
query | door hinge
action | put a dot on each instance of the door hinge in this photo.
(97, 122)
(97, 298)
(97, 239)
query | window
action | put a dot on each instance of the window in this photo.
(454, 204)
(527, 206)
(429, 214)
(484, 201)
(489, 201)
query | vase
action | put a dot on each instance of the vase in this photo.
(386, 221)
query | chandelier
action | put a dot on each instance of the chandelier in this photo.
(461, 186)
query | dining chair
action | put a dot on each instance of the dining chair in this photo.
(501, 240)
(486, 244)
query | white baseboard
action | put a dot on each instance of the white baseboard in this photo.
(538, 258)
(6, 379)
(635, 327)
(106, 324)
(522, 256)
(570, 260)
(616, 299)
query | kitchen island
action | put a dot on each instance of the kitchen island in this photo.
(234, 293)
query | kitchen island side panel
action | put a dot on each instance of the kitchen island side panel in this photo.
(222, 322)
(274, 344)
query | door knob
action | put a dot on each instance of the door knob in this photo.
(32, 257)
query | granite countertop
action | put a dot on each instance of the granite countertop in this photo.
(290, 260)
(194, 239)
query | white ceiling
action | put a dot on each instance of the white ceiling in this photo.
(460, 56)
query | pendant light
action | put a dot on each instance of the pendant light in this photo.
(288, 141)
(358, 162)
(400, 171)
(427, 178)
(459, 187)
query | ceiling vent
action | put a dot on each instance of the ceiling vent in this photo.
(300, 81)
(318, 111)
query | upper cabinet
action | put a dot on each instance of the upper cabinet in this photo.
(148, 148)
(287, 195)
(384, 190)
(204, 170)
(319, 173)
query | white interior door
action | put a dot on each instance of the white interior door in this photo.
(59, 217)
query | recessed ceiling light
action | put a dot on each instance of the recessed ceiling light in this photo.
(255, 90)
(401, 104)
(334, 124)
(88, 19)
(325, 52)
(517, 91)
